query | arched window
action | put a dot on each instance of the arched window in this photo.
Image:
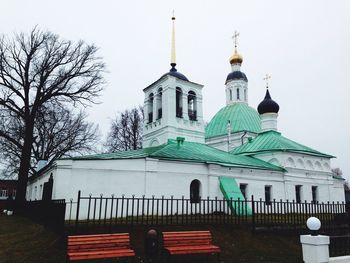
(230, 94)
(301, 163)
(318, 166)
(237, 94)
(159, 103)
(274, 161)
(192, 106)
(290, 162)
(150, 107)
(326, 166)
(178, 102)
(195, 191)
(309, 165)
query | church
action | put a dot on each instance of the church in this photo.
(239, 153)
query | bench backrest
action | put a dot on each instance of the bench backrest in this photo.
(186, 238)
(98, 242)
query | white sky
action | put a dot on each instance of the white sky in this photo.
(303, 45)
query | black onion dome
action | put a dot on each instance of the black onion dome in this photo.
(236, 75)
(173, 72)
(268, 105)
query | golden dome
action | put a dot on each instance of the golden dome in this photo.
(236, 58)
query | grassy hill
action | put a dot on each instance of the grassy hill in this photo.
(23, 241)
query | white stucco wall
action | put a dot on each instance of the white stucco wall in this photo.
(153, 177)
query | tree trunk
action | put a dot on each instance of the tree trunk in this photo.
(24, 164)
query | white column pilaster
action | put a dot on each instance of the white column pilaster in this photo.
(184, 106)
(154, 107)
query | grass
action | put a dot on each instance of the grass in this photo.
(24, 241)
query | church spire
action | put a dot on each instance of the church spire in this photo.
(173, 52)
(236, 58)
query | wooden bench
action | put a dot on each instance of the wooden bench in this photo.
(189, 242)
(99, 246)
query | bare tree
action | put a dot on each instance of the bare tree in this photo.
(346, 186)
(126, 131)
(62, 133)
(337, 171)
(57, 132)
(38, 68)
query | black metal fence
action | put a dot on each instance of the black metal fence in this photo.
(108, 212)
(48, 213)
(339, 246)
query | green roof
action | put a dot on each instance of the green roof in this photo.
(188, 151)
(271, 141)
(241, 116)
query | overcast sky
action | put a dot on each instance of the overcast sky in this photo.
(303, 45)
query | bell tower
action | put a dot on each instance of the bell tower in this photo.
(236, 82)
(173, 107)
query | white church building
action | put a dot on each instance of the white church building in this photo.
(240, 149)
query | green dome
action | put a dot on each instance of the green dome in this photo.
(241, 116)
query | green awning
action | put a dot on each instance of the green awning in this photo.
(232, 194)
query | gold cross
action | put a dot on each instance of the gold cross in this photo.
(267, 77)
(235, 37)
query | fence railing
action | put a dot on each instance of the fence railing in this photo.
(107, 212)
(339, 246)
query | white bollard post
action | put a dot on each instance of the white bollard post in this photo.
(315, 247)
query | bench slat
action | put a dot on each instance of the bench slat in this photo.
(100, 235)
(126, 241)
(99, 246)
(101, 254)
(189, 242)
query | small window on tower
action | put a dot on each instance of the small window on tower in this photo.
(238, 94)
(230, 94)
(159, 103)
(150, 107)
(178, 102)
(192, 106)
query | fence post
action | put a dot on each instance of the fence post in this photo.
(77, 215)
(253, 214)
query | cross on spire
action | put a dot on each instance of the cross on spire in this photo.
(235, 38)
(267, 77)
(173, 52)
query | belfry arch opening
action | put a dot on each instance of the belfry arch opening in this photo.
(178, 102)
(195, 191)
(238, 97)
(150, 107)
(159, 103)
(192, 106)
